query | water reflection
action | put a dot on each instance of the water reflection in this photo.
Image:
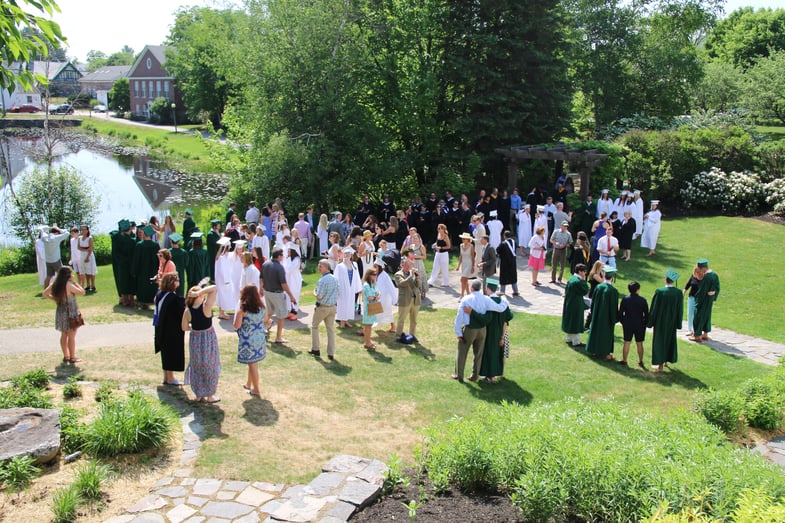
(129, 187)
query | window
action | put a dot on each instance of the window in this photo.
(157, 88)
(166, 89)
(151, 89)
(29, 99)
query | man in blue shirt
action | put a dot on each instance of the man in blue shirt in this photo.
(326, 293)
(471, 333)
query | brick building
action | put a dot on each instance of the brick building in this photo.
(148, 80)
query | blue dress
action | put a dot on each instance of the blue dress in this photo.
(368, 291)
(252, 346)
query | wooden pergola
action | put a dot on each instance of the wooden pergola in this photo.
(584, 160)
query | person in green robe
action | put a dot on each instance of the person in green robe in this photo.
(198, 261)
(212, 245)
(572, 315)
(604, 314)
(708, 291)
(586, 215)
(144, 267)
(665, 316)
(189, 226)
(492, 366)
(180, 259)
(123, 245)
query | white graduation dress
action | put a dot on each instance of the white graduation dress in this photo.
(346, 291)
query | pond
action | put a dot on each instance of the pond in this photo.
(132, 187)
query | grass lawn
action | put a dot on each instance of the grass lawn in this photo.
(374, 404)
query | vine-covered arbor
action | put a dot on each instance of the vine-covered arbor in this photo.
(583, 160)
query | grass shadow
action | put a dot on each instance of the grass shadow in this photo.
(131, 311)
(260, 412)
(379, 356)
(335, 367)
(505, 390)
(63, 371)
(419, 350)
(282, 349)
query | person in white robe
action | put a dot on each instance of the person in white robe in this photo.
(651, 229)
(637, 213)
(495, 227)
(604, 204)
(250, 274)
(40, 257)
(389, 295)
(223, 279)
(294, 278)
(349, 285)
(540, 219)
(524, 228)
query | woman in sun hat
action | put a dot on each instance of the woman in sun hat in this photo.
(465, 262)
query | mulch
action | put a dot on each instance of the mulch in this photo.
(448, 507)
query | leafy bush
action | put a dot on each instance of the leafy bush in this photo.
(775, 196)
(72, 432)
(129, 426)
(65, 501)
(23, 394)
(105, 391)
(762, 404)
(17, 260)
(38, 379)
(770, 159)
(89, 480)
(596, 461)
(72, 389)
(17, 473)
(722, 409)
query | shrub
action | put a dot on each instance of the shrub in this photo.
(72, 389)
(89, 480)
(762, 404)
(734, 193)
(17, 473)
(129, 426)
(102, 248)
(72, 432)
(23, 394)
(17, 260)
(596, 461)
(775, 196)
(38, 379)
(105, 391)
(65, 501)
(722, 409)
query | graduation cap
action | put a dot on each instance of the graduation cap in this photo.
(494, 213)
(605, 191)
(148, 231)
(176, 237)
(223, 240)
(672, 275)
(123, 225)
(703, 262)
(215, 221)
(609, 271)
(655, 202)
(188, 212)
(492, 283)
(195, 235)
(240, 243)
(348, 250)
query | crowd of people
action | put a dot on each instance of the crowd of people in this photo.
(371, 265)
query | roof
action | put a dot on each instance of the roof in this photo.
(158, 52)
(109, 73)
(50, 69)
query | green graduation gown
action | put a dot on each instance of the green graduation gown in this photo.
(189, 227)
(180, 259)
(665, 316)
(123, 246)
(198, 266)
(572, 316)
(212, 250)
(143, 267)
(493, 355)
(701, 324)
(604, 314)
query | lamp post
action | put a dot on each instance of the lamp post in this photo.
(174, 116)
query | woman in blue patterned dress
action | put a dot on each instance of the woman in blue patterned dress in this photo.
(370, 294)
(252, 345)
(204, 358)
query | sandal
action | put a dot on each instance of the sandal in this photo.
(370, 347)
(214, 400)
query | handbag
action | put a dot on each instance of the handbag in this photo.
(375, 307)
(74, 322)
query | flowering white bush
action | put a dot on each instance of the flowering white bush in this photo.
(775, 196)
(734, 193)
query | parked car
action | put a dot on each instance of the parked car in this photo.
(61, 109)
(100, 108)
(24, 108)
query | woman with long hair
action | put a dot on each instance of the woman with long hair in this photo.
(169, 335)
(204, 358)
(87, 264)
(252, 343)
(370, 295)
(441, 258)
(169, 228)
(165, 263)
(334, 255)
(465, 262)
(64, 290)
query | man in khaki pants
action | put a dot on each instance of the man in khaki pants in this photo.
(408, 282)
(326, 293)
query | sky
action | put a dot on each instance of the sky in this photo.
(89, 25)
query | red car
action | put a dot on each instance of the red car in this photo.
(24, 108)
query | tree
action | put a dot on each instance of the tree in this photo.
(746, 35)
(98, 59)
(15, 47)
(120, 95)
(161, 111)
(765, 87)
(202, 54)
(720, 88)
(46, 196)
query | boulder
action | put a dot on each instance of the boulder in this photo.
(33, 432)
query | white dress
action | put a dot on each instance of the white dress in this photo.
(40, 260)
(224, 296)
(389, 296)
(494, 232)
(235, 274)
(75, 255)
(637, 213)
(294, 279)
(346, 291)
(524, 229)
(86, 261)
(604, 206)
(324, 240)
(651, 232)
